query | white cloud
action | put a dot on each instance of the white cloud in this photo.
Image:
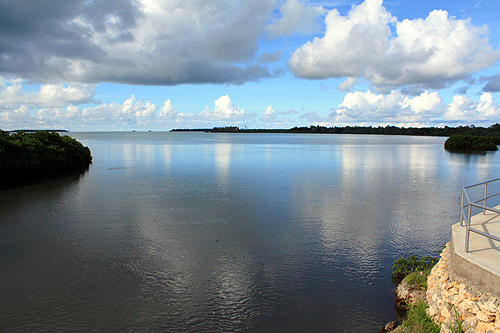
(269, 114)
(465, 110)
(296, 18)
(16, 115)
(369, 107)
(168, 111)
(56, 106)
(58, 95)
(138, 109)
(430, 52)
(426, 109)
(349, 45)
(225, 109)
(348, 84)
(12, 95)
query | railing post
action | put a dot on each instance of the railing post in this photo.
(462, 209)
(467, 230)
(485, 196)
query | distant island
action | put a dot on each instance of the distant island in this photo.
(38, 154)
(461, 139)
(470, 143)
(32, 130)
(493, 130)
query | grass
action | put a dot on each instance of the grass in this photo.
(418, 321)
(418, 278)
(457, 327)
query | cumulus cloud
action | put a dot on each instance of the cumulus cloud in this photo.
(430, 52)
(269, 114)
(297, 18)
(61, 106)
(225, 109)
(168, 111)
(133, 41)
(369, 107)
(464, 110)
(493, 83)
(130, 113)
(348, 84)
(12, 95)
(395, 108)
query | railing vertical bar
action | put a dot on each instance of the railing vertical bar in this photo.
(485, 196)
(467, 230)
(462, 209)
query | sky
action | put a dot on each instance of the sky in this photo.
(120, 65)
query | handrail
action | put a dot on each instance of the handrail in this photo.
(466, 215)
(485, 208)
(483, 183)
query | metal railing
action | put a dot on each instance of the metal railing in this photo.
(466, 210)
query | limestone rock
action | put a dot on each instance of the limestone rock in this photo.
(407, 294)
(390, 326)
(482, 316)
(488, 306)
(450, 297)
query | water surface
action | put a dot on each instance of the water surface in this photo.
(227, 232)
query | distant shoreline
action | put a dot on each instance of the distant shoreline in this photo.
(493, 130)
(32, 131)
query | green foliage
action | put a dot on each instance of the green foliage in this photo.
(457, 327)
(407, 265)
(41, 153)
(419, 278)
(226, 129)
(492, 132)
(418, 321)
(467, 142)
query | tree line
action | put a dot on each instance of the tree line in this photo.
(36, 154)
(493, 131)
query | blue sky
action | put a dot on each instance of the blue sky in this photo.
(156, 65)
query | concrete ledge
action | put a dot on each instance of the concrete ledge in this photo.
(481, 265)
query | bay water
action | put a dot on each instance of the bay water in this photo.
(223, 232)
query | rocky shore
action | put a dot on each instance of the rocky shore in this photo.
(452, 299)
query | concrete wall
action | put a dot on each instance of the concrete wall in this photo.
(453, 297)
(481, 276)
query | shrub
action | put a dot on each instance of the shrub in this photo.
(41, 153)
(407, 265)
(467, 142)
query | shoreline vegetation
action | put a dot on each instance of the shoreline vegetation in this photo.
(461, 139)
(28, 156)
(410, 274)
(493, 130)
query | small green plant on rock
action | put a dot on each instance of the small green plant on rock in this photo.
(457, 326)
(418, 278)
(418, 321)
(403, 267)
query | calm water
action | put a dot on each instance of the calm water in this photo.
(227, 232)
